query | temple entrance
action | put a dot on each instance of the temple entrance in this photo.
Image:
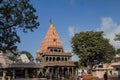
(20, 73)
(57, 72)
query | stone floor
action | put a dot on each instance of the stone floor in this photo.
(31, 79)
(110, 78)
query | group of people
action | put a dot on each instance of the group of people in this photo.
(81, 76)
(105, 76)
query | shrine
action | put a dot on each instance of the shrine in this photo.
(52, 57)
(51, 61)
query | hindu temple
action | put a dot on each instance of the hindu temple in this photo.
(52, 57)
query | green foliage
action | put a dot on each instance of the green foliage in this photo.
(10, 56)
(118, 51)
(117, 37)
(30, 57)
(13, 58)
(15, 15)
(92, 48)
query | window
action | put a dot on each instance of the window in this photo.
(50, 59)
(62, 59)
(46, 58)
(55, 50)
(59, 50)
(53, 58)
(65, 59)
(58, 59)
(51, 50)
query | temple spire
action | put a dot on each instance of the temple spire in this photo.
(51, 39)
(51, 21)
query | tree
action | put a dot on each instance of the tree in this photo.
(28, 54)
(118, 51)
(92, 48)
(15, 15)
(14, 57)
(117, 38)
(10, 56)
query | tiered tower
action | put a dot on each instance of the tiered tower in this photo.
(52, 57)
(51, 41)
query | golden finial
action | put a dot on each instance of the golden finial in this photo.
(51, 21)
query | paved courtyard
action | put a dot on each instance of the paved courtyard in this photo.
(110, 78)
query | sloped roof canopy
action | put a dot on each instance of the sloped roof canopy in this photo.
(25, 65)
(63, 63)
(116, 64)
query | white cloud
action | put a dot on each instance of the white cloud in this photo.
(110, 28)
(72, 31)
(66, 40)
(75, 57)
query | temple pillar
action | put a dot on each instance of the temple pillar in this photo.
(4, 75)
(26, 73)
(63, 58)
(72, 71)
(68, 72)
(13, 77)
(55, 58)
(58, 73)
(62, 71)
(51, 71)
(45, 59)
(60, 58)
(47, 70)
(68, 59)
(76, 71)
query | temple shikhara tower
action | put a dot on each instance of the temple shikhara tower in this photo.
(53, 58)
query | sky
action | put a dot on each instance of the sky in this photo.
(70, 17)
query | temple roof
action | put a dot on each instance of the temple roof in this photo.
(58, 63)
(58, 54)
(116, 64)
(24, 65)
(51, 39)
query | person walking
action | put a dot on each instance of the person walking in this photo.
(105, 76)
